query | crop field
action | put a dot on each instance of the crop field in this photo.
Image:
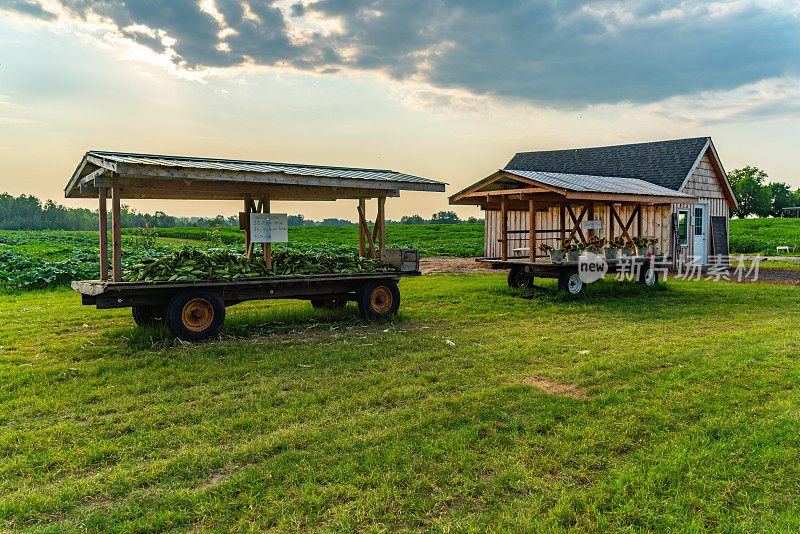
(635, 409)
(761, 236)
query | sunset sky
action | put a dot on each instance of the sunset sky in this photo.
(443, 89)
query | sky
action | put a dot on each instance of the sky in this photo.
(444, 89)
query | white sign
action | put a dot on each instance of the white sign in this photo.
(269, 228)
(596, 224)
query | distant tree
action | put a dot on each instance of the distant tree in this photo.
(474, 220)
(412, 219)
(297, 220)
(782, 197)
(445, 217)
(753, 196)
(336, 222)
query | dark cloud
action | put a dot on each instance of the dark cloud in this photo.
(27, 7)
(552, 52)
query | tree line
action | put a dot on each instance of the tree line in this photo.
(758, 197)
(26, 212)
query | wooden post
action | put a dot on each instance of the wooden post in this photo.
(610, 223)
(116, 235)
(639, 221)
(103, 227)
(248, 245)
(362, 219)
(503, 228)
(266, 248)
(381, 221)
(591, 218)
(532, 230)
(362, 249)
(563, 220)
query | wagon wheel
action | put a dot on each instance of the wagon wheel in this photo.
(378, 299)
(195, 314)
(570, 281)
(149, 315)
(519, 277)
(648, 275)
(330, 303)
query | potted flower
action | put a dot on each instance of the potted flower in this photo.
(644, 246)
(571, 248)
(613, 246)
(628, 248)
(556, 254)
(595, 246)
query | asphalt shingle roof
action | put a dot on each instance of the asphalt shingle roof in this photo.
(664, 163)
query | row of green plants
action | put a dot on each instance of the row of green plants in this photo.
(571, 248)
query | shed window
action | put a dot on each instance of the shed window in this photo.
(683, 228)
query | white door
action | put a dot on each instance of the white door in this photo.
(700, 231)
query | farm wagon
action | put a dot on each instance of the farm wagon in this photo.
(196, 309)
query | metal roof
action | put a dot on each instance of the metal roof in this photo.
(597, 184)
(260, 166)
(133, 166)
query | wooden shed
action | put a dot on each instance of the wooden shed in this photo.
(676, 191)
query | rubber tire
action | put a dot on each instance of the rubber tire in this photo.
(643, 275)
(175, 314)
(149, 315)
(518, 278)
(330, 303)
(365, 299)
(564, 282)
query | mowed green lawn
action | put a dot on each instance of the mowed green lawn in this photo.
(673, 408)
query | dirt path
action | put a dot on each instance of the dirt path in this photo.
(453, 265)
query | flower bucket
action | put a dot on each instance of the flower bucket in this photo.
(593, 255)
(626, 252)
(611, 253)
(645, 251)
(556, 256)
(573, 255)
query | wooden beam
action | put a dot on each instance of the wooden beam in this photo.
(381, 222)
(363, 219)
(501, 192)
(628, 198)
(622, 226)
(266, 248)
(610, 223)
(636, 210)
(532, 230)
(591, 218)
(563, 215)
(577, 222)
(504, 228)
(248, 245)
(362, 249)
(116, 235)
(103, 228)
(639, 223)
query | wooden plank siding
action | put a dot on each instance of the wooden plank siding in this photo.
(704, 183)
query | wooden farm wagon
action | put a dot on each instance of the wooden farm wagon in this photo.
(196, 309)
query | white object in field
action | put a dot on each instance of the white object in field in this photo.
(595, 224)
(269, 228)
(786, 249)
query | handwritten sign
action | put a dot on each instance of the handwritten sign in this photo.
(269, 228)
(596, 224)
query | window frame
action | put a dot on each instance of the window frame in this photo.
(683, 241)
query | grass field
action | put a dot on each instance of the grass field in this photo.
(673, 408)
(761, 236)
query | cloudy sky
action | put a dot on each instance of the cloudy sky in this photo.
(444, 89)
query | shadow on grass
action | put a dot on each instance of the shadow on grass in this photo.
(249, 323)
(603, 291)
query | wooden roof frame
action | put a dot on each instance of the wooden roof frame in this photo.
(134, 181)
(473, 195)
